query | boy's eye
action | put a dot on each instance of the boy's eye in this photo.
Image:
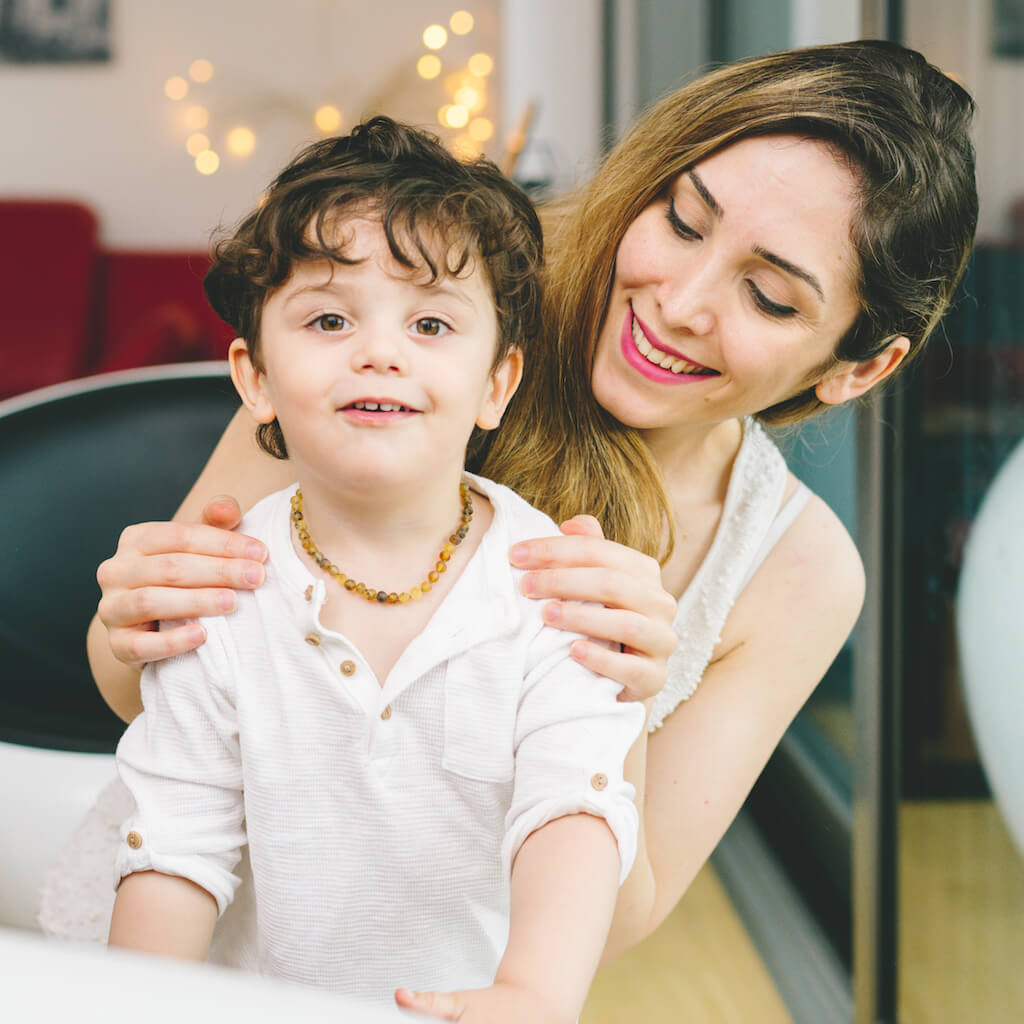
(330, 322)
(430, 326)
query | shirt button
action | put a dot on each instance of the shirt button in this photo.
(348, 668)
(134, 840)
(599, 781)
(386, 713)
(313, 639)
(309, 592)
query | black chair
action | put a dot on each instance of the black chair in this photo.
(78, 462)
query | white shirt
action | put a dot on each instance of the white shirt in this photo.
(381, 820)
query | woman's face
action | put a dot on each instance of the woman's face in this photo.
(731, 290)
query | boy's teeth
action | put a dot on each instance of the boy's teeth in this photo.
(666, 360)
(377, 406)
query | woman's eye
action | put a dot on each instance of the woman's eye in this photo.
(766, 305)
(679, 226)
(430, 326)
(330, 322)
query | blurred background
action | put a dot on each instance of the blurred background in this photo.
(874, 874)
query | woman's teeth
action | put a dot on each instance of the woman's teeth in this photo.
(379, 407)
(666, 360)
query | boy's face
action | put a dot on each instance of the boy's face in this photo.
(375, 375)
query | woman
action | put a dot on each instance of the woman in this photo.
(776, 237)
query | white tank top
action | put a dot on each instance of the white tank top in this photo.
(753, 518)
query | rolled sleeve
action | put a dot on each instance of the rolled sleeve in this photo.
(572, 737)
(181, 761)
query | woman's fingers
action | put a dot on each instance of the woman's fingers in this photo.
(222, 511)
(188, 538)
(636, 592)
(137, 646)
(580, 549)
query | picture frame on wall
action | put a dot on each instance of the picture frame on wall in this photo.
(54, 31)
(1008, 28)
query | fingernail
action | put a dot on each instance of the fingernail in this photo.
(253, 575)
(552, 612)
(226, 601)
(518, 554)
(529, 584)
(196, 635)
(257, 552)
(579, 650)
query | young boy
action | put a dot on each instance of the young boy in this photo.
(429, 788)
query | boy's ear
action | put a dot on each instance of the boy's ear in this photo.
(851, 380)
(505, 378)
(250, 382)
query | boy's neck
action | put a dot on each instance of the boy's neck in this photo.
(382, 527)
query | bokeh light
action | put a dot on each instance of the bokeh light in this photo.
(207, 162)
(481, 64)
(197, 143)
(176, 88)
(434, 37)
(327, 118)
(461, 23)
(480, 129)
(469, 98)
(200, 70)
(464, 147)
(241, 140)
(455, 116)
(196, 118)
(429, 66)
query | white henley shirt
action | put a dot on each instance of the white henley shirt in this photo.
(381, 820)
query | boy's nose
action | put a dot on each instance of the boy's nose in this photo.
(380, 352)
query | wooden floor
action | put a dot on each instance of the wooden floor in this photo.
(962, 916)
(699, 967)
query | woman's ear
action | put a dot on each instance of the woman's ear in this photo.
(851, 380)
(505, 378)
(249, 382)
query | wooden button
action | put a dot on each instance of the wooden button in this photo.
(386, 713)
(134, 840)
(313, 639)
(599, 781)
(309, 592)
(348, 668)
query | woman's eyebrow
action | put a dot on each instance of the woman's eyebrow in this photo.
(791, 268)
(702, 191)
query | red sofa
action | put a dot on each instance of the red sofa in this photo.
(69, 308)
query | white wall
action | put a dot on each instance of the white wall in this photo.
(106, 133)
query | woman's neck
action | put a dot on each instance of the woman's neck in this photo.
(696, 460)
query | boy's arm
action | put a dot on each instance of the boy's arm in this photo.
(563, 888)
(164, 914)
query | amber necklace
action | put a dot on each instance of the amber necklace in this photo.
(370, 593)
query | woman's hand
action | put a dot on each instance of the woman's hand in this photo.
(628, 606)
(175, 571)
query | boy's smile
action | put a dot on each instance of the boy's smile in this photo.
(376, 374)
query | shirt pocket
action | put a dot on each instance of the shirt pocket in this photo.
(481, 697)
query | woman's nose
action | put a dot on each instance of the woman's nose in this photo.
(688, 303)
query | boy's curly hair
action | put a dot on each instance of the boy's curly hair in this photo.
(439, 214)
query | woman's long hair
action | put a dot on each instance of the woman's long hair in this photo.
(902, 128)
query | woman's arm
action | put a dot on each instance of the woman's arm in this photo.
(784, 632)
(181, 570)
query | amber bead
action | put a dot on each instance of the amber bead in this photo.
(425, 587)
(433, 575)
(403, 598)
(416, 593)
(441, 566)
(392, 598)
(382, 597)
(350, 584)
(360, 588)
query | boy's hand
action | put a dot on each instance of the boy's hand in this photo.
(499, 1004)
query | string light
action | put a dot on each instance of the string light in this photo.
(456, 116)
(176, 88)
(481, 64)
(327, 118)
(480, 129)
(207, 162)
(197, 143)
(434, 37)
(196, 118)
(461, 23)
(200, 70)
(241, 140)
(429, 65)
